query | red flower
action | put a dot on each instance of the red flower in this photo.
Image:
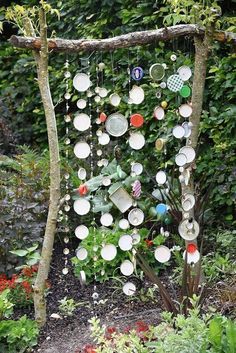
(148, 242)
(89, 348)
(82, 190)
(191, 248)
(109, 331)
(141, 326)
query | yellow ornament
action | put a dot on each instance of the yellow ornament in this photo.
(164, 104)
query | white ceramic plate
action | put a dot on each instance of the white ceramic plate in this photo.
(116, 124)
(189, 153)
(104, 139)
(81, 103)
(81, 206)
(81, 82)
(184, 72)
(136, 95)
(81, 253)
(136, 216)
(81, 232)
(136, 238)
(185, 110)
(127, 268)
(82, 150)
(188, 201)
(187, 129)
(159, 113)
(115, 99)
(180, 159)
(162, 254)
(188, 234)
(82, 174)
(137, 168)
(109, 252)
(178, 132)
(174, 83)
(106, 219)
(102, 92)
(136, 141)
(124, 224)
(192, 257)
(125, 242)
(106, 181)
(161, 177)
(129, 288)
(82, 122)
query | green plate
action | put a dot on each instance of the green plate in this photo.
(157, 72)
(185, 91)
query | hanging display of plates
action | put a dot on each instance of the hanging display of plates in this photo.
(108, 252)
(180, 159)
(136, 120)
(121, 199)
(188, 230)
(82, 122)
(106, 219)
(188, 152)
(116, 124)
(185, 110)
(81, 103)
(162, 254)
(104, 139)
(136, 95)
(124, 224)
(129, 288)
(137, 73)
(157, 72)
(136, 217)
(178, 131)
(174, 83)
(159, 113)
(136, 140)
(82, 150)
(185, 91)
(81, 206)
(81, 253)
(81, 232)
(81, 82)
(161, 177)
(136, 168)
(125, 242)
(127, 268)
(115, 99)
(192, 258)
(184, 73)
(82, 173)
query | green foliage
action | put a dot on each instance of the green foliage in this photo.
(6, 307)
(67, 306)
(18, 336)
(222, 335)
(31, 256)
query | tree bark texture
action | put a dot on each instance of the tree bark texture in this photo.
(41, 59)
(122, 41)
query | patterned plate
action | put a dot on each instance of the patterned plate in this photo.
(174, 83)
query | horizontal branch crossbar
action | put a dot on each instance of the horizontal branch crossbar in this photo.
(122, 41)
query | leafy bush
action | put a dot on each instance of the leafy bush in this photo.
(23, 204)
(178, 334)
(67, 306)
(6, 307)
(18, 336)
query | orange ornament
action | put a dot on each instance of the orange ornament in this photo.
(191, 248)
(102, 117)
(136, 120)
(82, 190)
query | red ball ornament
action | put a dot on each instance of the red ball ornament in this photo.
(102, 117)
(191, 248)
(82, 190)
